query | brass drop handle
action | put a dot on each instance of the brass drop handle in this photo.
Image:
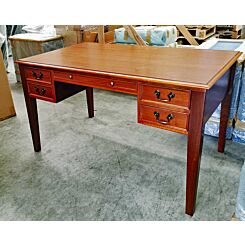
(36, 76)
(169, 118)
(112, 83)
(42, 92)
(171, 95)
(70, 76)
(36, 89)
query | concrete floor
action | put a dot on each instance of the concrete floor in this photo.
(108, 167)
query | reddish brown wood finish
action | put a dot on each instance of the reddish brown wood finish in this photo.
(179, 123)
(225, 110)
(101, 82)
(197, 77)
(38, 75)
(90, 102)
(31, 106)
(198, 69)
(194, 149)
(148, 93)
(215, 95)
(39, 91)
(54, 92)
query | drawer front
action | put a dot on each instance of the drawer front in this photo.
(41, 91)
(164, 118)
(103, 83)
(38, 75)
(165, 95)
(117, 84)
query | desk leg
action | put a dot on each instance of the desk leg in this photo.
(194, 149)
(90, 101)
(225, 111)
(31, 106)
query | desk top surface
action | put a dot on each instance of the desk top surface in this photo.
(178, 66)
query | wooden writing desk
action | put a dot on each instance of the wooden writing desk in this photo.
(177, 89)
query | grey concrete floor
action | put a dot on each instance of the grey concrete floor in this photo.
(108, 167)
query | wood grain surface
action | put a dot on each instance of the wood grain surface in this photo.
(178, 124)
(194, 68)
(197, 78)
(181, 97)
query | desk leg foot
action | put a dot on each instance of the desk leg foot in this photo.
(90, 101)
(194, 149)
(225, 111)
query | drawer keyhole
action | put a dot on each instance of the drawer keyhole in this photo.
(169, 118)
(171, 95)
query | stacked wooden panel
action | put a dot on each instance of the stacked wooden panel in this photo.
(229, 31)
(199, 32)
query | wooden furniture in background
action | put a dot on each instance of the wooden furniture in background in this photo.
(72, 34)
(229, 31)
(177, 89)
(195, 34)
(101, 36)
(29, 44)
(98, 34)
(76, 34)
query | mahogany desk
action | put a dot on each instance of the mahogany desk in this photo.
(177, 89)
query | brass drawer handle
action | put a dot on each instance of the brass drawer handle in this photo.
(171, 95)
(36, 89)
(70, 76)
(169, 118)
(112, 83)
(36, 76)
(42, 92)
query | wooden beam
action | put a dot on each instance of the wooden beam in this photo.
(187, 35)
(109, 37)
(101, 34)
(134, 35)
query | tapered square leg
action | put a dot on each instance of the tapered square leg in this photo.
(225, 111)
(90, 101)
(31, 106)
(194, 149)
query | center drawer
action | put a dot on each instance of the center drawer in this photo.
(97, 82)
